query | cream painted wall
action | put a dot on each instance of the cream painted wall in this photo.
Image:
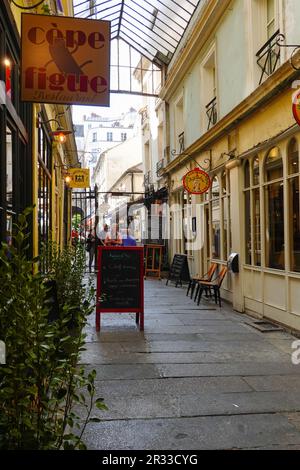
(191, 101)
(291, 21)
(119, 159)
(231, 50)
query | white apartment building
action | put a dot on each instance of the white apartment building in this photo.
(96, 134)
(112, 164)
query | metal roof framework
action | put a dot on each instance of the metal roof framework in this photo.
(144, 31)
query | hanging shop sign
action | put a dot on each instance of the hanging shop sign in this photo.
(296, 106)
(196, 181)
(65, 60)
(78, 177)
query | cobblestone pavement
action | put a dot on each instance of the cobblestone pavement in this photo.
(196, 378)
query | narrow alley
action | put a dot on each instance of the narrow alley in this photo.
(196, 378)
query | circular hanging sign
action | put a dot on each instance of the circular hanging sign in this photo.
(296, 106)
(196, 181)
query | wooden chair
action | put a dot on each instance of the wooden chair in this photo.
(206, 277)
(214, 285)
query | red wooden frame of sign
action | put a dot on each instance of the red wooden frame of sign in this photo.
(296, 106)
(140, 309)
(198, 171)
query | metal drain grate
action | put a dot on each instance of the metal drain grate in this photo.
(265, 326)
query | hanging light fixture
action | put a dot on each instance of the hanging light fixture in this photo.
(60, 133)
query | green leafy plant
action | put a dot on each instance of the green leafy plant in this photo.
(41, 384)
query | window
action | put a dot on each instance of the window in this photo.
(9, 184)
(294, 210)
(10, 77)
(274, 210)
(266, 34)
(225, 216)
(179, 126)
(209, 90)
(187, 222)
(215, 217)
(44, 188)
(94, 137)
(123, 136)
(109, 136)
(270, 18)
(252, 212)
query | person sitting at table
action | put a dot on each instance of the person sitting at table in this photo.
(128, 239)
(113, 238)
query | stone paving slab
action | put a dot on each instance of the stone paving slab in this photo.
(227, 369)
(172, 386)
(267, 383)
(131, 358)
(196, 378)
(196, 345)
(160, 405)
(215, 432)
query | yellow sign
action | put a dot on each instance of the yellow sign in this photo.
(196, 181)
(80, 177)
(65, 60)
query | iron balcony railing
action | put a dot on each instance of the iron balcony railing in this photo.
(181, 142)
(211, 112)
(147, 181)
(268, 56)
(159, 167)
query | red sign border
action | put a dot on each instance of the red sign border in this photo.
(296, 103)
(137, 310)
(203, 173)
(66, 102)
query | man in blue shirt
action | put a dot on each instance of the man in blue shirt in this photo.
(128, 239)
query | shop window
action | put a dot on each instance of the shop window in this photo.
(273, 165)
(216, 226)
(256, 227)
(224, 183)
(187, 221)
(9, 185)
(44, 188)
(252, 213)
(293, 157)
(248, 246)
(294, 210)
(274, 210)
(255, 171)
(247, 174)
(225, 212)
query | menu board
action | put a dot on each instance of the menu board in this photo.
(120, 278)
(179, 271)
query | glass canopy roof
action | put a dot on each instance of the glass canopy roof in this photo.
(152, 27)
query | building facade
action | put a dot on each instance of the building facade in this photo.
(32, 163)
(128, 208)
(97, 134)
(229, 91)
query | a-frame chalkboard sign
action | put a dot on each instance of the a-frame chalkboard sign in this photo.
(179, 271)
(120, 281)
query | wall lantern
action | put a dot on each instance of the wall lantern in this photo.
(60, 134)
